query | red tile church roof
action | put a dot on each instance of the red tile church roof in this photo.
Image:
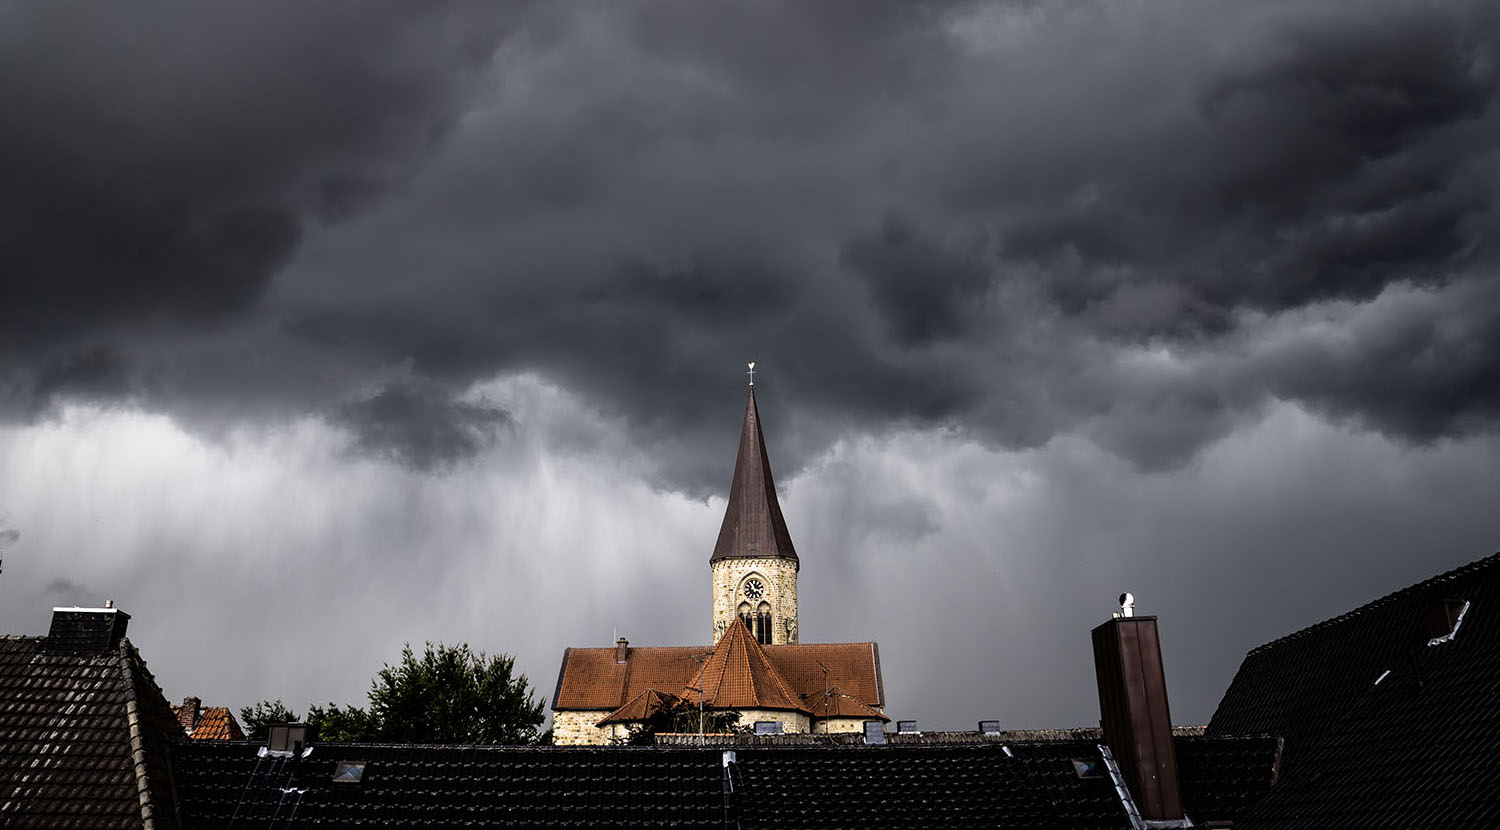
(836, 703)
(589, 678)
(739, 675)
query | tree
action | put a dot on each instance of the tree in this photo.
(450, 695)
(335, 724)
(254, 720)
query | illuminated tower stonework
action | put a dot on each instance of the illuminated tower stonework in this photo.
(754, 564)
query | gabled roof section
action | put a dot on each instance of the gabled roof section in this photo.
(753, 526)
(84, 738)
(643, 706)
(1381, 728)
(591, 679)
(836, 703)
(853, 667)
(739, 675)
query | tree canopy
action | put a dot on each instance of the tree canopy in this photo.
(448, 695)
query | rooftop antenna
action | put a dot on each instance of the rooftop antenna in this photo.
(825, 686)
(751, 364)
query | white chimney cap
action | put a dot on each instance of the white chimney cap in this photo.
(1127, 604)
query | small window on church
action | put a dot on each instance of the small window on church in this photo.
(763, 624)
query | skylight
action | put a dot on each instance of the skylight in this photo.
(349, 772)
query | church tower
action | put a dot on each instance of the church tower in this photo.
(754, 564)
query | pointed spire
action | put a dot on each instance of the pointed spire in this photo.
(753, 526)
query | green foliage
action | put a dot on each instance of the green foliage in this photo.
(255, 719)
(349, 724)
(448, 695)
(453, 695)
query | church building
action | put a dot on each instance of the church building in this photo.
(758, 667)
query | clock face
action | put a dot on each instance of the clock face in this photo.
(754, 589)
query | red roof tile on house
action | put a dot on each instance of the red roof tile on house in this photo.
(217, 724)
(212, 723)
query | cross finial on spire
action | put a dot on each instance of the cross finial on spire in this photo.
(751, 364)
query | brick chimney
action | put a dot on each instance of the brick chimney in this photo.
(86, 630)
(192, 709)
(620, 646)
(1133, 711)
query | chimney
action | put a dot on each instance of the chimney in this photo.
(86, 630)
(1133, 711)
(193, 708)
(620, 646)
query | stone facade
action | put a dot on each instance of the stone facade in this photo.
(790, 721)
(577, 727)
(839, 725)
(779, 576)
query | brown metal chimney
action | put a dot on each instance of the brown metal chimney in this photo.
(1133, 711)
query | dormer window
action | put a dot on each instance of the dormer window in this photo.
(1443, 620)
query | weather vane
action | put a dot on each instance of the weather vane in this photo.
(751, 364)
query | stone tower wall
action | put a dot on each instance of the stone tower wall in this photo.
(780, 578)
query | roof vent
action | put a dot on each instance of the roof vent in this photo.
(86, 630)
(1443, 620)
(1127, 605)
(989, 727)
(874, 733)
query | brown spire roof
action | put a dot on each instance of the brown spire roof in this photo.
(739, 675)
(753, 526)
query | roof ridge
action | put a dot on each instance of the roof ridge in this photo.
(135, 675)
(1461, 571)
(814, 645)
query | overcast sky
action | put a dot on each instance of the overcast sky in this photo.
(327, 327)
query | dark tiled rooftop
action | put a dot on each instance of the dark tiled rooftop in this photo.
(84, 738)
(1416, 749)
(1023, 785)
(451, 786)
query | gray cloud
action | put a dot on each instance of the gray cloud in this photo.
(420, 427)
(162, 165)
(909, 214)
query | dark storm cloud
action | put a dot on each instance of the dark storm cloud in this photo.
(162, 164)
(420, 426)
(1017, 220)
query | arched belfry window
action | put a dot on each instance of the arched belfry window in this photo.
(763, 623)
